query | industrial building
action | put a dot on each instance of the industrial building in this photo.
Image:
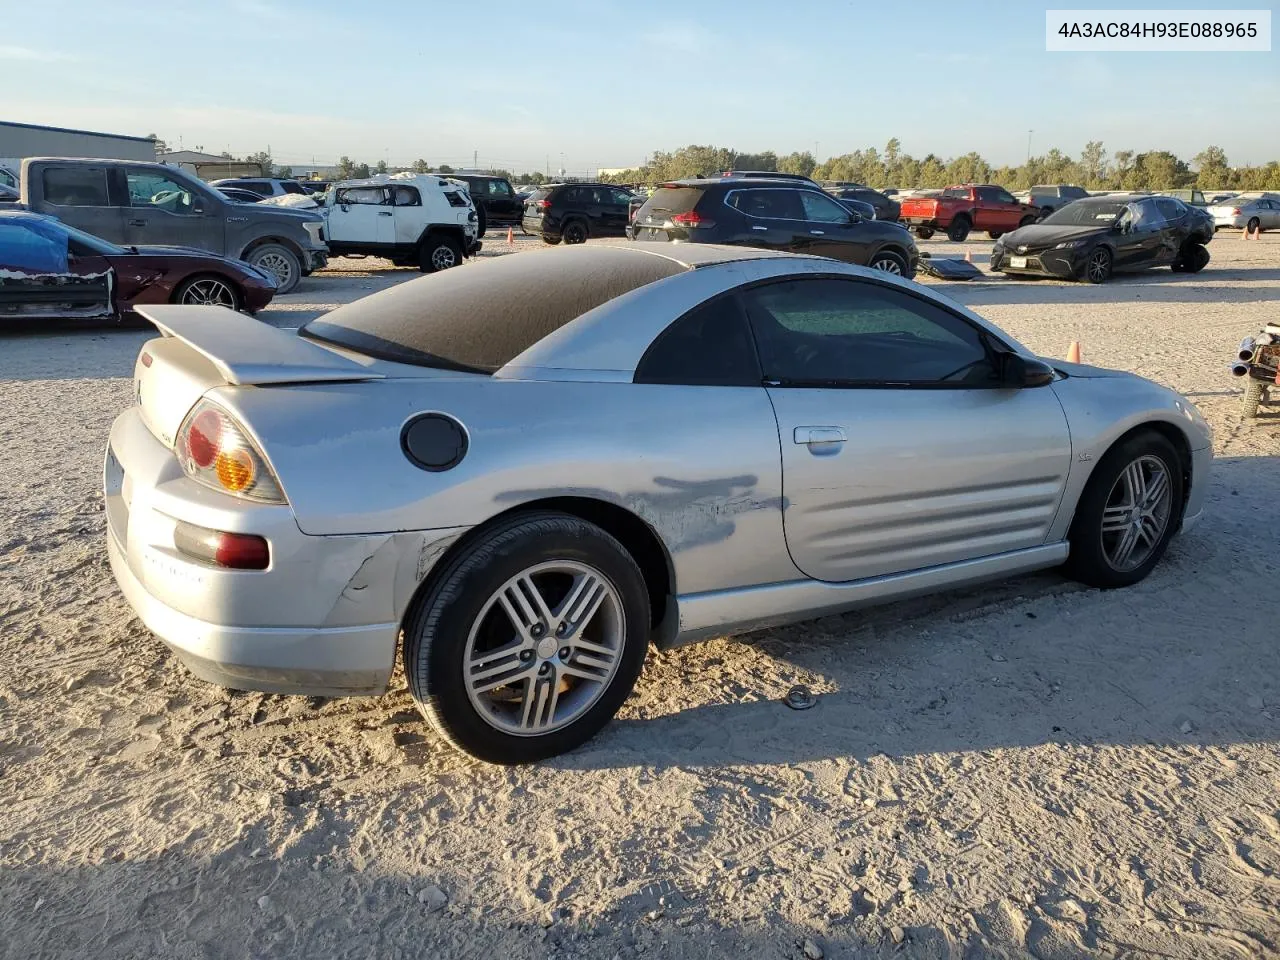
(19, 140)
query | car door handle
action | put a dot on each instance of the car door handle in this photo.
(818, 233)
(137, 223)
(384, 213)
(760, 228)
(812, 435)
(237, 219)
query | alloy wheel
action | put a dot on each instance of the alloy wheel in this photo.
(442, 258)
(210, 292)
(544, 647)
(1136, 514)
(1098, 265)
(888, 265)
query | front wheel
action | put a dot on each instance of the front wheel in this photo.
(439, 252)
(959, 229)
(924, 233)
(279, 261)
(1254, 393)
(208, 291)
(530, 640)
(1127, 514)
(887, 261)
(1097, 269)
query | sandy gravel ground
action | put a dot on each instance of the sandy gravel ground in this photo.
(1031, 769)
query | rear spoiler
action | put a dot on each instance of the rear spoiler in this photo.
(248, 352)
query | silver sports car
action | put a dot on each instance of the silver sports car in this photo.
(519, 475)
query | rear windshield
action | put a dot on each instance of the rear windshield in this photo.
(479, 318)
(961, 192)
(672, 200)
(540, 193)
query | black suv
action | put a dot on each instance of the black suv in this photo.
(776, 215)
(572, 212)
(494, 197)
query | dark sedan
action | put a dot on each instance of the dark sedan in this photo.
(1093, 238)
(48, 269)
(779, 214)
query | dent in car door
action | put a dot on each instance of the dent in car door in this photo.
(884, 479)
(39, 278)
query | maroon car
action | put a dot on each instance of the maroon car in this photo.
(48, 269)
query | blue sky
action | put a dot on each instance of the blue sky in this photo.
(602, 83)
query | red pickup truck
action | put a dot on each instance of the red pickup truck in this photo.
(957, 210)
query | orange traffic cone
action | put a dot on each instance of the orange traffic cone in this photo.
(511, 236)
(1073, 352)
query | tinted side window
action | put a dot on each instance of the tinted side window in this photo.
(768, 204)
(821, 208)
(709, 345)
(1169, 209)
(289, 186)
(148, 189)
(577, 195)
(362, 195)
(76, 187)
(1003, 196)
(847, 331)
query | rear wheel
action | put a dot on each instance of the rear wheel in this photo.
(551, 240)
(924, 233)
(1254, 393)
(208, 291)
(438, 252)
(995, 234)
(530, 640)
(575, 231)
(1128, 512)
(280, 262)
(1191, 259)
(959, 229)
(1097, 269)
(888, 261)
(1253, 224)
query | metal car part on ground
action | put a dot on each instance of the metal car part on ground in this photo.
(505, 475)
(1257, 360)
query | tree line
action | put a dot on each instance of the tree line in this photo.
(1094, 169)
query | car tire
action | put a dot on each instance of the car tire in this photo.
(482, 220)
(438, 251)
(1131, 467)
(280, 262)
(959, 229)
(1191, 259)
(1254, 393)
(891, 262)
(995, 234)
(209, 290)
(575, 231)
(1098, 266)
(1028, 220)
(551, 240)
(471, 609)
(924, 233)
(1254, 223)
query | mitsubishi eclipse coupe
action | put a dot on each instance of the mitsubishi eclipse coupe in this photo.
(520, 474)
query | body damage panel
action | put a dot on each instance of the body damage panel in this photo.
(700, 465)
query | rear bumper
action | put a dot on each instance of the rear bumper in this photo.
(929, 222)
(322, 619)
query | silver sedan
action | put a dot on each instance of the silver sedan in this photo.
(519, 475)
(1259, 212)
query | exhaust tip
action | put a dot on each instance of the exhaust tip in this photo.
(1239, 369)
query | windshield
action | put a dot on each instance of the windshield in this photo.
(1082, 214)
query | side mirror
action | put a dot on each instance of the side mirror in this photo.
(1017, 371)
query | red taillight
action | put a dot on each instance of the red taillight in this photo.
(146, 359)
(692, 219)
(1235, 211)
(204, 437)
(544, 204)
(236, 551)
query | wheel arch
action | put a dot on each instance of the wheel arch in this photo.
(290, 245)
(194, 275)
(451, 229)
(636, 536)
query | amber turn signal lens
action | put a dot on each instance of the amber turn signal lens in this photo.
(234, 469)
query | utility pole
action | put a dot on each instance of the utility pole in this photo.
(475, 159)
(1029, 133)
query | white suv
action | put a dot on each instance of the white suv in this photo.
(411, 219)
